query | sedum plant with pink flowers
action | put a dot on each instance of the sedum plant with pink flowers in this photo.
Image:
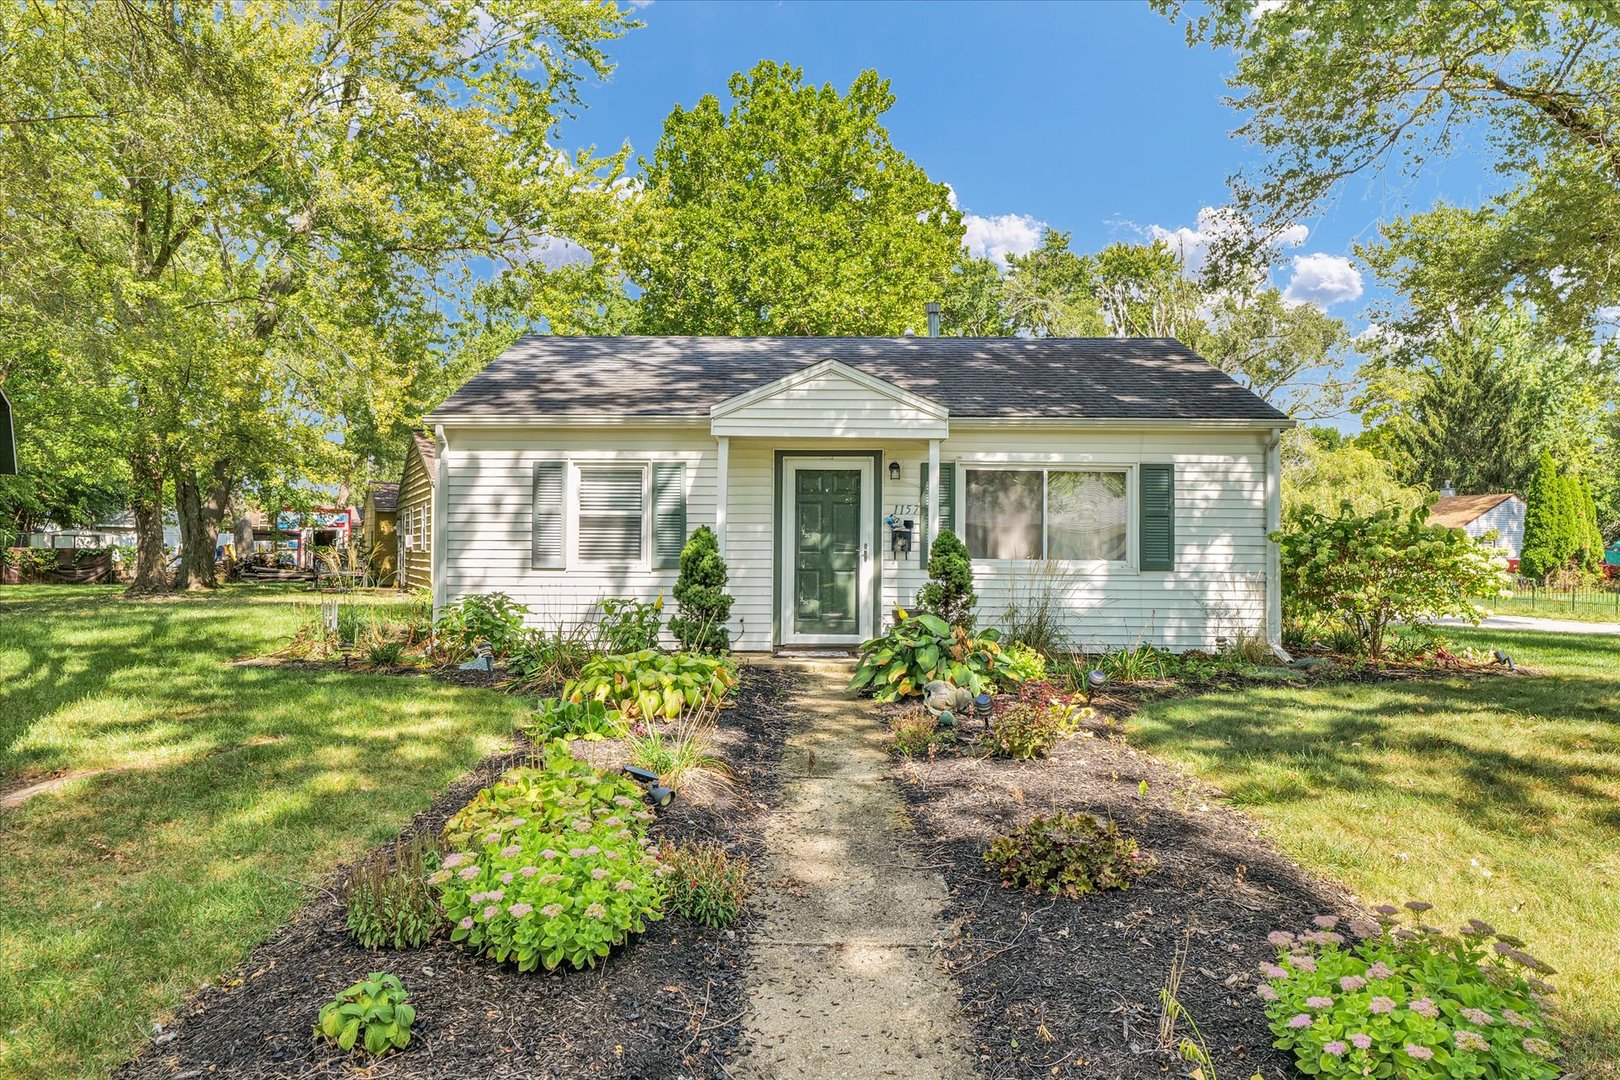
(1386, 998)
(558, 870)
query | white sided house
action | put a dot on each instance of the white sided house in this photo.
(1127, 480)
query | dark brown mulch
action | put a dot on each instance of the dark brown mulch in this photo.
(665, 1005)
(1054, 986)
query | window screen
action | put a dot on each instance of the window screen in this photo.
(611, 513)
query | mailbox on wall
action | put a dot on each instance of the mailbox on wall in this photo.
(8, 440)
(900, 533)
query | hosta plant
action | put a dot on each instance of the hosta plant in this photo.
(543, 889)
(1067, 855)
(649, 685)
(371, 1014)
(1020, 664)
(1382, 998)
(556, 718)
(920, 649)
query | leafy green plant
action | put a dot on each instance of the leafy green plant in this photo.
(1025, 730)
(1020, 663)
(1409, 1001)
(1067, 855)
(629, 625)
(676, 752)
(386, 653)
(543, 661)
(1368, 572)
(556, 790)
(920, 649)
(387, 900)
(914, 733)
(372, 1014)
(564, 883)
(650, 684)
(1137, 664)
(702, 604)
(556, 718)
(704, 883)
(949, 592)
(492, 617)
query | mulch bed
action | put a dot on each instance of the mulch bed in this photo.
(668, 1004)
(1053, 986)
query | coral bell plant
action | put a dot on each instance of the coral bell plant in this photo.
(1382, 998)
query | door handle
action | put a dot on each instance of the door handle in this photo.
(865, 554)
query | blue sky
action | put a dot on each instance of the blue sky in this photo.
(1095, 118)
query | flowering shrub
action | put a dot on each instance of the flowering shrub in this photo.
(1067, 855)
(563, 883)
(1409, 1001)
(705, 884)
(548, 796)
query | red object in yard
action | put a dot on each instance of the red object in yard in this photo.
(1513, 566)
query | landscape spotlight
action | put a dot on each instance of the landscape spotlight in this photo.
(657, 793)
(1095, 681)
(646, 776)
(1504, 659)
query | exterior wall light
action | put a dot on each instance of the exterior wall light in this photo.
(894, 470)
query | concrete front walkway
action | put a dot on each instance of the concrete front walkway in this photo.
(842, 982)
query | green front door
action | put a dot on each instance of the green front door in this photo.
(827, 552)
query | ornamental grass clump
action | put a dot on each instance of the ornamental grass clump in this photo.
(1067, 855)
(559, 870)
(1382, 998)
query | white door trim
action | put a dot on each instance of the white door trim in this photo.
(866, 582)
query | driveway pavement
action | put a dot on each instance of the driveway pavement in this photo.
(1526, 622)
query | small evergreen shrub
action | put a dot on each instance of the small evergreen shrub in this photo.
(702, 604)
(949, 592)
(372, 1014)
(704, 883)
(1067, 855)
(388, 901)
(1409, 1001)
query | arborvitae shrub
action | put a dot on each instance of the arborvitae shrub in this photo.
(702, 604)
(949, 592)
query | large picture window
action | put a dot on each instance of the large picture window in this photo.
(611, 513)
(1046, 514)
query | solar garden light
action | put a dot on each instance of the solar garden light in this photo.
(346, 649)
(657, 794)
(1095, 681)
(483, 658)
(981, 706)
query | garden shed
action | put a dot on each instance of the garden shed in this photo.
(1501, 513)
(379, 533)
(1126, 484)
(415, 511)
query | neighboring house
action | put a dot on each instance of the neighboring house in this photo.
(1129, 480)
(1501, 513)
(416, 512)
(379, 532)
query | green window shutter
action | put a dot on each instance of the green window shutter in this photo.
(947, 505)
(547, 551)
(1158, 496)
(669, 513)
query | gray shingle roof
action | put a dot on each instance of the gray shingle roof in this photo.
(1058, 378)
(385, 497)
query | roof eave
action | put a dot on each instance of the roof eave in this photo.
(632, 420)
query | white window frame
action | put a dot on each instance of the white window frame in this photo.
(1132, 506)
(572, 560)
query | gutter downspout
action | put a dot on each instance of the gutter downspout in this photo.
(438, 494)
(1273, 552)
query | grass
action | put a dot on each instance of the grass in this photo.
(227, 791)
(1593, 607)
(1493, 797)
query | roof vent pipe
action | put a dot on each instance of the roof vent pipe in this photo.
(933, 318)
(1446, 490)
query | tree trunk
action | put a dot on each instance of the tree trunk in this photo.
(146, 495)
(200, 515)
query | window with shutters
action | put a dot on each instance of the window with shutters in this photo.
(611, 519)
(1072, 515)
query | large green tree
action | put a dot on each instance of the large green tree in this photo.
(1336, 90)
(265, 227)
(788, 212)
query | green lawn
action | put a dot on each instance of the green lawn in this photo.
(229, 789)
(1496, 797)
(1591, 608)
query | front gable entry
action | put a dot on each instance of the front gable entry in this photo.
(831, 400)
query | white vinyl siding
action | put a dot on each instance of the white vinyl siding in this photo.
(1217, 587)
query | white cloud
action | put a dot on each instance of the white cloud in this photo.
(1265, 7)
(999, 235)
(555, 252)
(1216, 223)
(640, 5)
(1323, 280)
